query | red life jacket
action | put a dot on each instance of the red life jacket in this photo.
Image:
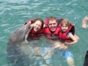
(48, 33)
(64, 35)
(52, 35)
(33, 34)
(61, 35)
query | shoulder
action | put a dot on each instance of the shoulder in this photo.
(70, 34)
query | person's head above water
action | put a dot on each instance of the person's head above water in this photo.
(65, 24)
(37, 24)
(52, 24)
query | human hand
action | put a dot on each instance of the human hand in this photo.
(60, 45)
(32, 25)
(63, 46)
(84, 26)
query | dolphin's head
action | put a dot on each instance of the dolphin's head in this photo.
(20, 34)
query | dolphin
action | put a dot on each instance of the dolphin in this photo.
(19, 35)
(21, 52)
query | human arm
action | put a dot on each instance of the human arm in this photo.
(73, 38)
(57, 44)
(60, 45)
(84, 22)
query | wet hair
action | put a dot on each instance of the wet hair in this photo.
(66, 22)
(51, 18)
(38, 19)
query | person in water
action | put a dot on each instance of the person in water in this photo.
(35, 31)
(84, 22)
(36, 26)
(67, 33)
(53, 31)
(17, 46)
(84, 25)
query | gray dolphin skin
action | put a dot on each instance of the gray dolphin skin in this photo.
(18, 36)
(21, 52)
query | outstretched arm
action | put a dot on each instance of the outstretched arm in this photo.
(57, 44)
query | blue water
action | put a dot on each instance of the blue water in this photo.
(13, 13)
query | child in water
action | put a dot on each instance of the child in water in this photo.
(68, 33)
(68, 37)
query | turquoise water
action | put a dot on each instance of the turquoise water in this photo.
(13, 13)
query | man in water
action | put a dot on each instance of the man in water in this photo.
(51, 32)
(84, 25)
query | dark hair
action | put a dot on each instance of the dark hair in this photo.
(38, 19)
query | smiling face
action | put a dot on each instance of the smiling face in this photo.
(37, 25)
(64, 27)
(52, 25)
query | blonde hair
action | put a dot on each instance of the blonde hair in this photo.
(66, 22)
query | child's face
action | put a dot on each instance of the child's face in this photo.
(64, 27)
